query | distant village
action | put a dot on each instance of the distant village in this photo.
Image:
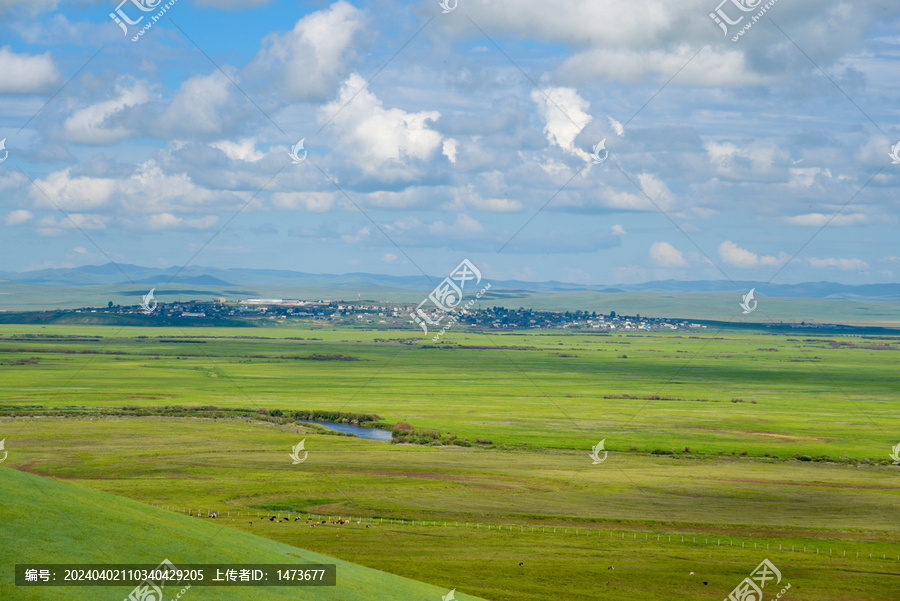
(391, 315)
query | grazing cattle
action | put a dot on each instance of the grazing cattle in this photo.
(272, 519)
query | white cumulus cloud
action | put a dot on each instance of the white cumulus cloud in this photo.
(26, 73)
(204, 104)
(242, 150)
(381, 141)
(449, 149)
(733, 254)
(18, 217)
(666, 255)
(565, 116)
(310, 60)
(90, 125)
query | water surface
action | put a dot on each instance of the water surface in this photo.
(373, 433)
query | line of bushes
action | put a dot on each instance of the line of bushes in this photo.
(208, 411)
(405, 433)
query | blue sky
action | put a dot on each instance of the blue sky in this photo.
(433, 137)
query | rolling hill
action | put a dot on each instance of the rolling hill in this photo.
(51, 521)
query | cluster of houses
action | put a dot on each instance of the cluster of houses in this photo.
(393, 315)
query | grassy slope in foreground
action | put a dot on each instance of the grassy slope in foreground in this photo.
(48, 521)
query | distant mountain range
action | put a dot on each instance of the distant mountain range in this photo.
(111, 274)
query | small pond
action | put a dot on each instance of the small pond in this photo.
(373, 433)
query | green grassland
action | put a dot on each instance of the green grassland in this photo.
(654, 518)
(532, 405)
(48, 521)
(809, 395)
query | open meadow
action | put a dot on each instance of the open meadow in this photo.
(723, 449)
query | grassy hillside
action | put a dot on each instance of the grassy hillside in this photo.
(48, 521)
